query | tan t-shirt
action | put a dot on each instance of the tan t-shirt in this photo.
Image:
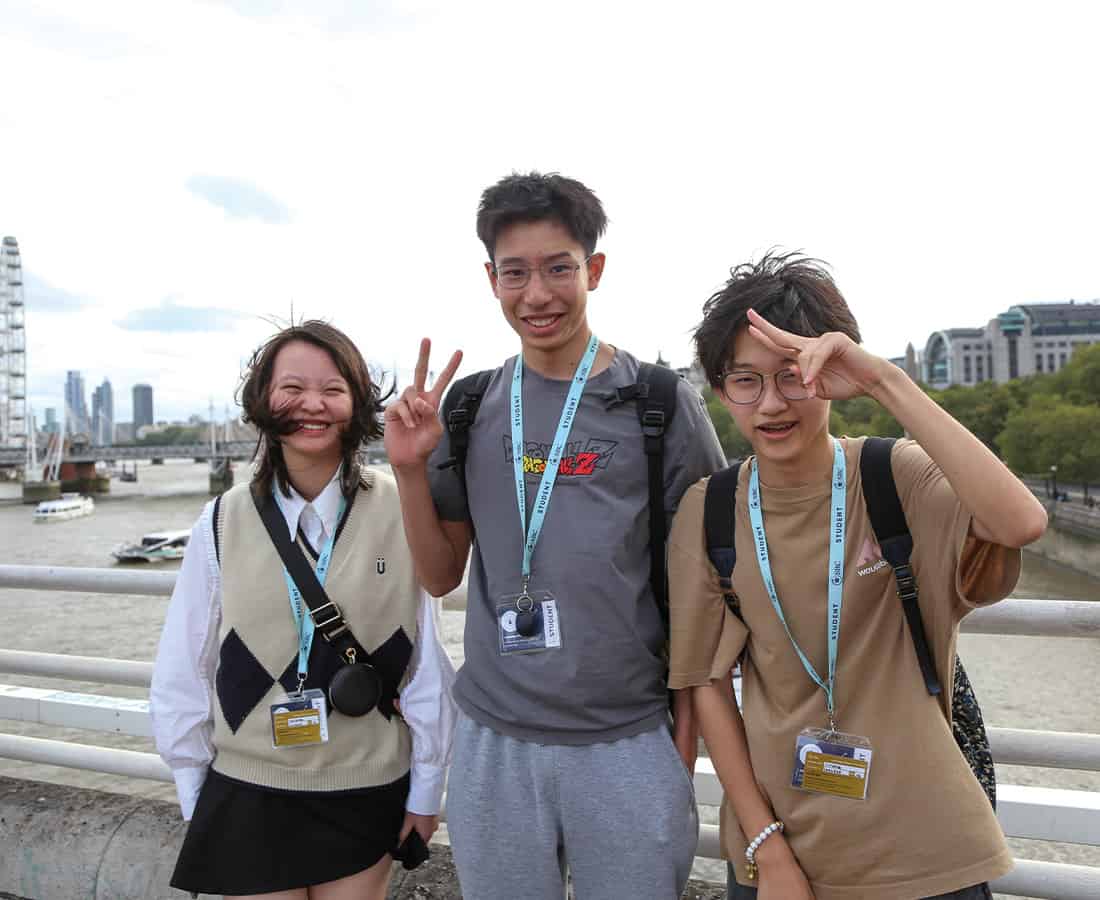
(926, 827)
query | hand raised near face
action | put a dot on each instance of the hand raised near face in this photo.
(412, 421)
(832, 366)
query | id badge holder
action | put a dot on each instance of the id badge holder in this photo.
(830, 762)
(528, 622)
(300, 721)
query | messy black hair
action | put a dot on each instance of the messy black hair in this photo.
(792, 291)
(254, 395)
(535, 197)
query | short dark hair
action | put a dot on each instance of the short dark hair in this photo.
(254, 395)
(792, 291)
(535, 197)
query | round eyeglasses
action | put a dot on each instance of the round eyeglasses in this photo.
(559, 271)
(745, 388)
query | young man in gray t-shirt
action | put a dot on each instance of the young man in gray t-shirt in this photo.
(563, 754)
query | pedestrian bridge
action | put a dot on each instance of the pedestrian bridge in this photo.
(1035, 813)
(82, 453)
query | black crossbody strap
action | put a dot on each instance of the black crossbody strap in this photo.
(390, 660)
(719, 518)
(326, 615)
(880, 494)
(216, 528)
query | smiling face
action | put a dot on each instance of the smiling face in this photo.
(306, 384)
(786, 435)
(548, 314)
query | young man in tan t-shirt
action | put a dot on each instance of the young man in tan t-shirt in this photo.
(886, 806)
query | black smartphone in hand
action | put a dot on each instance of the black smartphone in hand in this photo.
(413, 851)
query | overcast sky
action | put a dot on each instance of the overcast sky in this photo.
(179, 174)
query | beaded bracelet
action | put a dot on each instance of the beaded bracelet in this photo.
(754, 844)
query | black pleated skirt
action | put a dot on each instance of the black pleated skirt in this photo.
(246, 839)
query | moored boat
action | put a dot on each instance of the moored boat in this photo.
(159, 545)
(67, 506)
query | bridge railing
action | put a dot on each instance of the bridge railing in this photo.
(1037, 813)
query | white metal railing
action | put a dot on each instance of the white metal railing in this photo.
(1027, 812)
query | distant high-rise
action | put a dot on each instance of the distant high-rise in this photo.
(143, 405)
(103, 414)
(51, 426)
(76, 407)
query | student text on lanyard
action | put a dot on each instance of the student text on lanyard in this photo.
(550, 473)
(837, 525)
(302, 619)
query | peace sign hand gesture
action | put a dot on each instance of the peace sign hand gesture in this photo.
(833, 366)
(412, 421)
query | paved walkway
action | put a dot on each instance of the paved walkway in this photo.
(436, 880)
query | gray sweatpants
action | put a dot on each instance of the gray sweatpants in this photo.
(620, 815)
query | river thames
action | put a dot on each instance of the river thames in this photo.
(1021, 682)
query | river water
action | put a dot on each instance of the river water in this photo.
(1037, 683)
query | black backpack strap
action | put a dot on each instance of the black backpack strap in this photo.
(719, 518)
(459, 412)
(880, 494)
(655, 400)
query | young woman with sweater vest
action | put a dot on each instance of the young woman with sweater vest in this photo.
(302, 771)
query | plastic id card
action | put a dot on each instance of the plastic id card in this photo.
(300, 721)
(547, 625)
(828, 762)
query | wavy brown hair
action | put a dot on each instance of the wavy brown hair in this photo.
(792, 291)
(254, 396)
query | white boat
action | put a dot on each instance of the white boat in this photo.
(68, 506)
(159, 545)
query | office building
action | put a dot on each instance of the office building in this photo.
(1029, 339)
(51, 426)
(76, 407)
(103, 414)
(143, 405)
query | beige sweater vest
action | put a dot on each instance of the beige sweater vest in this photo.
(361, 752)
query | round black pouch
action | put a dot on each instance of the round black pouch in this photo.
(355, 689)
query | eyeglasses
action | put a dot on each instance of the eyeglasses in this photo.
(516, 275)
(745, 388)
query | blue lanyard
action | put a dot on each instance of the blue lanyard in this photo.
(837, 523)
(305, 622)
(550, 473)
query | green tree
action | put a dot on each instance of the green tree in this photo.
(860, 416)
(173, 434)
(734, 444)
(984, 409)
(1058, 434)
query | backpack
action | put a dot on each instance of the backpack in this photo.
(654, 396)
(880, 493)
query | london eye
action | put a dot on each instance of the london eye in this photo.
(13, 348)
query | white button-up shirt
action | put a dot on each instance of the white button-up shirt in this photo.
(182, 692)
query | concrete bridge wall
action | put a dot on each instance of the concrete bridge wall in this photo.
(1072, 537)
(64, 843)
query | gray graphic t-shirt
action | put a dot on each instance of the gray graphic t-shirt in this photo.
(606, 680)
